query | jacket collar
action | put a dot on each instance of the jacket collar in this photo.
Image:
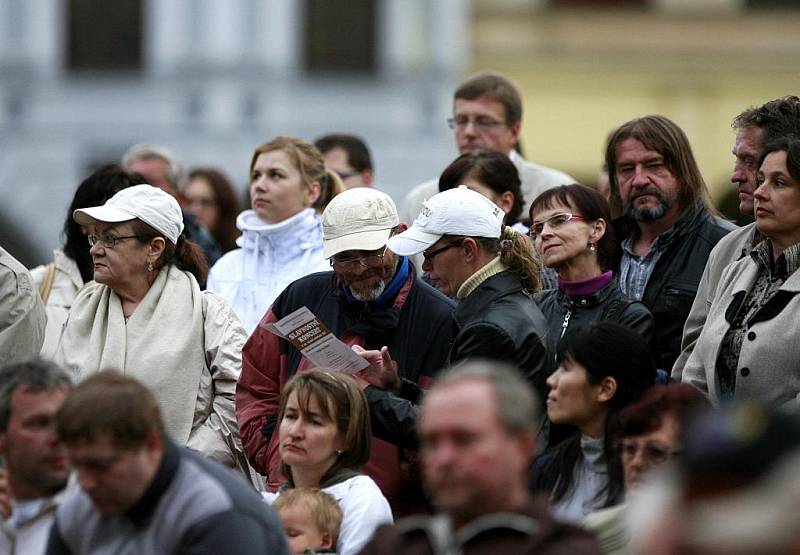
(141, 512)
(587, 300)
(490, 290)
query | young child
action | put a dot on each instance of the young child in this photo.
(311, 518)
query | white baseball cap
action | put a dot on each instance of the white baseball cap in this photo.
(149, 204)
(358, 219)
(458, 211)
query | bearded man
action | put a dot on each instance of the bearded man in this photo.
(372, 298)
(669, 225)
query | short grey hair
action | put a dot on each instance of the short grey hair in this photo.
(517, 406)
(146, 151)
(37, 375)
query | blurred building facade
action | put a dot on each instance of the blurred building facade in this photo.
(81, 80)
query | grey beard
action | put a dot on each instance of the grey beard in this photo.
(375, 291)
(367, 295)
(651, 213)
(648, 214)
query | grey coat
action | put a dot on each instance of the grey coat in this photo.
(769, 361)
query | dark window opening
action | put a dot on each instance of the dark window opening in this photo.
(104, 36)
(339, 36)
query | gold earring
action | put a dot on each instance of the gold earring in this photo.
(149, 266)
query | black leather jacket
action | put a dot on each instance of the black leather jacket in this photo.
(673, 284)
(498, 321)
(563, 312)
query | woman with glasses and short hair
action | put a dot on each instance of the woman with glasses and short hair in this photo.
(146, 316)
(649, 435)
(571, 232)
(282, 233)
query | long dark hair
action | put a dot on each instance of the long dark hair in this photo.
(95, 190)
(227, 206)
(604, 349)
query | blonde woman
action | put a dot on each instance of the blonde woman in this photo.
(282, 233)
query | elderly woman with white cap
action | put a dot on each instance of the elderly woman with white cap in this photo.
(146, 316)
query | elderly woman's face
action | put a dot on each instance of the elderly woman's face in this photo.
(308, 439)
(640, 454)
(777, 201)
(277, 191)
(121, 264)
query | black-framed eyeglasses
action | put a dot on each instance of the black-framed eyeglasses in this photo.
(651, 452)
(367, 261)
(483, 123)
(109, 241)
(555, 221)
(429, 255)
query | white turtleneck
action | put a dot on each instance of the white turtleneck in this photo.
(270, 257)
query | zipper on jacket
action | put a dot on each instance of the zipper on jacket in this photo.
(565, 323)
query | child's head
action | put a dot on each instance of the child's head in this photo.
(311, 518)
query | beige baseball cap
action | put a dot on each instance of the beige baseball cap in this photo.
(358, 219)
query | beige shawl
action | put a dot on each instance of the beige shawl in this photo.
(162, 344)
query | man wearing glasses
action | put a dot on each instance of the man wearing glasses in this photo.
(487, 113)
(371, 299)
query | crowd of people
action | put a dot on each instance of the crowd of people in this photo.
(531, 365)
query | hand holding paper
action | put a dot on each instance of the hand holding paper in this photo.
(382, 371)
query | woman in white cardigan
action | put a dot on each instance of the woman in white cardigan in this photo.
(282, 234)
(146, 317)
(748, 349)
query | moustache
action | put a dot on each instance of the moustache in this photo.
(647, 191)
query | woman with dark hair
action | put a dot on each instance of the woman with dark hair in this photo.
(748, 349)
(282, 234)
(146, 316)
(491, 174)
(324, 439)
(571, 232)
(209, 195)
(602, 368)
(60, 281)
(649, 434)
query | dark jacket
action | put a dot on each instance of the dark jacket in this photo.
(416, 326)
(192, 505)
(607, 304)
(531, 530)
(673, 284)
(500, 321)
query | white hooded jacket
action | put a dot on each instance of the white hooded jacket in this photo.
(270, 258)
